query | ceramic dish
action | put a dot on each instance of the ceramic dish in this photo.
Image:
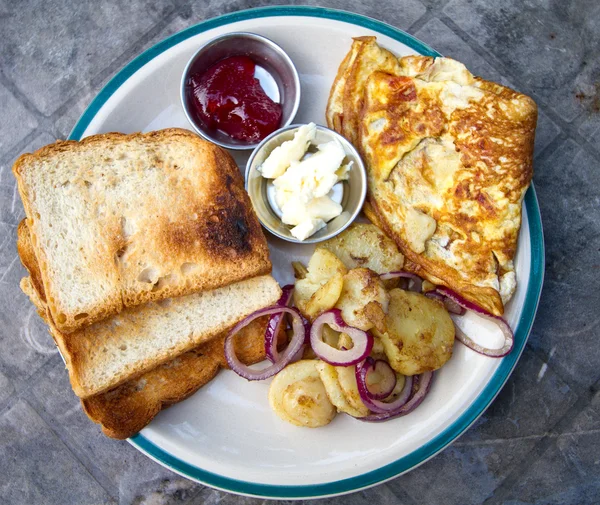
(226, 436)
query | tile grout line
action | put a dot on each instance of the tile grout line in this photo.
(74, 449)
(108, 490)
(539, 449)
(23, 387)
(422, 21)
(133, 50)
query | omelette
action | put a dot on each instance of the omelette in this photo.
(449, 158)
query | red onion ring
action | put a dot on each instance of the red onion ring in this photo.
(382, 389)
(379, 407)
(451, 305)
(423, 384)
(509, 337)
(284, 359)
(363, 341)
(274, 324)
(417, 282)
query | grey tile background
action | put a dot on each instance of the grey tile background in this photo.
(539, 442)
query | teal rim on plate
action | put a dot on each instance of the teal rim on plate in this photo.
(484, 399)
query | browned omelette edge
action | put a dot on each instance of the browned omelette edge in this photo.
(436, 272)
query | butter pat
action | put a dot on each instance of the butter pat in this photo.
(290, 151)
(304, 181)
(307, 228)
(295, 211)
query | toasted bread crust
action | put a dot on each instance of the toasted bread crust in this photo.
(198, 233)
(124, 411)
(82, 350)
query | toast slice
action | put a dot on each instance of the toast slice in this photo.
(120, 220)
(125, 410)
(128, 408)
(111, 352)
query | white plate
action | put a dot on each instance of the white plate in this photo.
(226, 435)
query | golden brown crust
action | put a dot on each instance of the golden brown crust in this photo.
(198, 233)
(77, 348)
(346, 95)
(27, 256)
(124, 411)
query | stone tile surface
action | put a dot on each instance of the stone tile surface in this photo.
(380, 495)
(534, 391)
(551, 46)
(401, 14)
(6, 389)
(67, 119)
(48, 474)
(25, 342)
(465, 475)
(566, 327)
(569, 471)
(17, 121)
(486, 454)
(120, 465)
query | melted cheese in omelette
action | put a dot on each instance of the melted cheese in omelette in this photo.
(449, 158)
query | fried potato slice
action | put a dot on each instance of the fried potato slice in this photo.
(298, 396)
(363, 300)
(325, 297)
(335, 392)
(322, 267)
(347, 380)
(419, 334)
(365, 245)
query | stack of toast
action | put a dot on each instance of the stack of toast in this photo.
(143, 251)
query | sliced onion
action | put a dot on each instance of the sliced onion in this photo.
(454, 307)
(422, 383)
(381, 389)
(284, 358)
(449, 303)
(379, 407)
(274, 324)
(417, 282)
(509, 337)
(362, 341)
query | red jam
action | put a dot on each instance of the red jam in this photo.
(229, 98)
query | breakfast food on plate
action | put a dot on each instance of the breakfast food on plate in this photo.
(372, 337)
(303, 176)
(365, 245)
(149, 266)
(110, 352)
(419, 333)
(298, 396)
(164, 209)
(126, 409)
(449, 158)
(372, 343)
(120, 220)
